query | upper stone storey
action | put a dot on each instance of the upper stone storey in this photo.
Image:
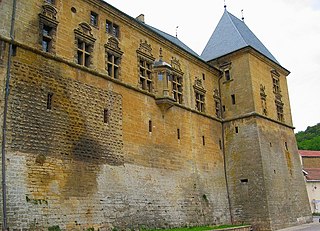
(232, 34)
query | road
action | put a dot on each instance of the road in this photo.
(315, 226)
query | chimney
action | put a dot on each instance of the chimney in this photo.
(140, 18)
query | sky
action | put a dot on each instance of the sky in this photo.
(290, 29)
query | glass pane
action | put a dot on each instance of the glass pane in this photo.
(87, 60)
(80, 57)
(116, 72)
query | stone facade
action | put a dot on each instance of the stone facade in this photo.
(90, 145)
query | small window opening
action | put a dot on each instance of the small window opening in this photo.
(224, 108)
(49, 100)
(233, 99)
(203, 141)
(150, 126)
(178, 133)
(14, 50)
(220, 144)
(286, 146)
(227, 75)
(203, 76)
(270, 144)
(237, 129)
(73, 10)
(244, 181)
(106, 116)
(94, 19)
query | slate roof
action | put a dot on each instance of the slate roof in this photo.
(232, 34)
(308, 153)
(172, 39)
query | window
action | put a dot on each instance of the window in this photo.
(227, 75)
(178, 133)
(48, 25)
(286, 146)
(276, 86)
(203, 141)
(112, 29)
(279, 106)
(47, 38)
(113, 58)
(113, 65)
(177, 88)
(220, 144)
(203, 76)
(200, 106)
(237, 129)
(233, 99)
(150, 126)
(145, 69)
(94, 19)
(84, 53)
(49, 100)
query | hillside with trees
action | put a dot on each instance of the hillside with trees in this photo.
(309, 139)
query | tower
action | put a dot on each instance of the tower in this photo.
(263, 170)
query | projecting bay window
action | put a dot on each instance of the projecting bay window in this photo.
(145, 70)
(177, 88)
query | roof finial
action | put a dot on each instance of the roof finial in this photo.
(177, 31)
(225, 6)
(242, 15)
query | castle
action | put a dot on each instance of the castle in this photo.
(110, 123)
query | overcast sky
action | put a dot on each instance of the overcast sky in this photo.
(290, 29)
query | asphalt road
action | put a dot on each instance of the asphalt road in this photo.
(315, 226)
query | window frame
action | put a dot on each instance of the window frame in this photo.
(112, 29)
(177, 87)
(94, 19)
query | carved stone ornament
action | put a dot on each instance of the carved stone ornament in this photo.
(49, 12)
(175, 64)
(262, 92)
(216, 94)
(84, 31)
(113, 45)
(145, 50)
(198, 85)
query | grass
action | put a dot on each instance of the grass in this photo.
(198, 228)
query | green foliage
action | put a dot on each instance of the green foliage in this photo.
(54, 228)
(309, 139)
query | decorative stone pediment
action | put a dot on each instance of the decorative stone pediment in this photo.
(275, 73)
(113, 45)
(49, 11)
(145, 50)
(48, 16)
(175, 64)
(84, 30)
(198, 85)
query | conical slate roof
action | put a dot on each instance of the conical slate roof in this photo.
(232, 34)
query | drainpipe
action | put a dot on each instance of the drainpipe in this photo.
(4, 126)
(224, 152)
